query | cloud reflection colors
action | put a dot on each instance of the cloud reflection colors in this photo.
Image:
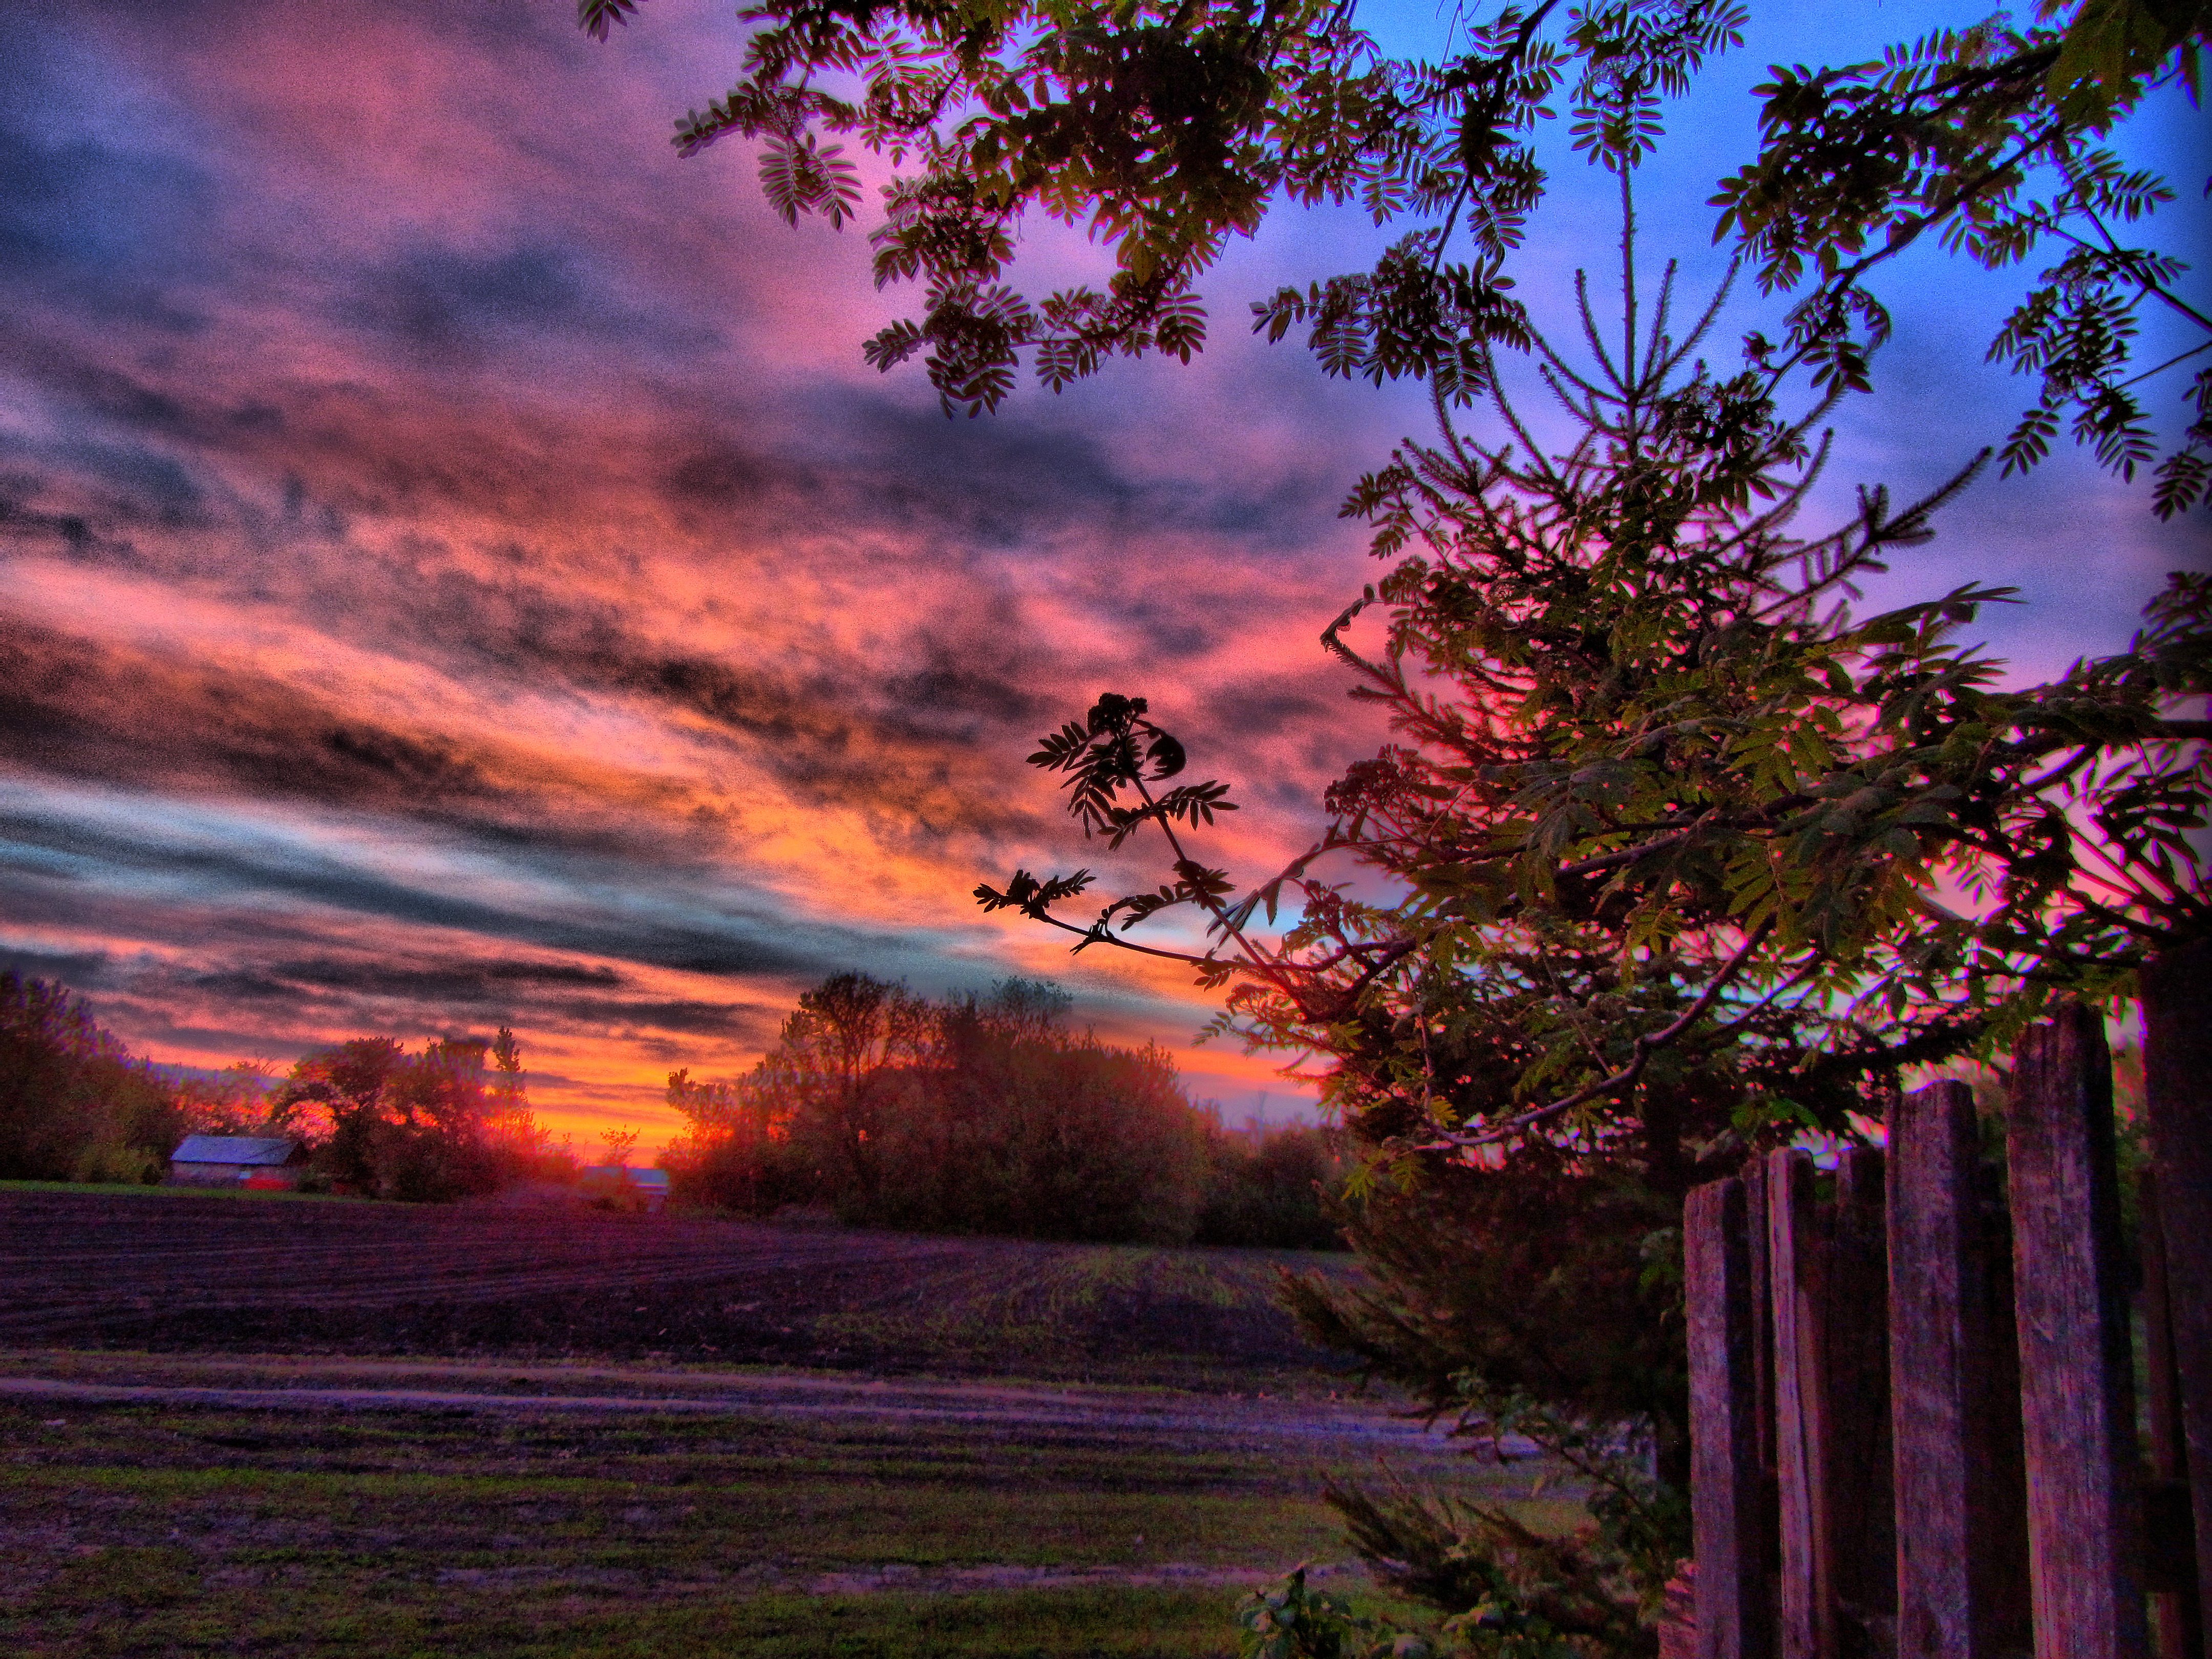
(458, 571)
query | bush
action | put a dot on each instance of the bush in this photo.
(737, 1152)
(1039, 1134)
(74, 1104)
(1272, 1190)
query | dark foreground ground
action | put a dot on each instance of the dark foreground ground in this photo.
(166, 1505)
(235, 1426)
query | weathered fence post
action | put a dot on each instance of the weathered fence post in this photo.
(1753, 1176)
(2169, 1557)
(1957, 1524)
(1859, 1524)
(1731, 1525)
(2077, 1360)
(2177, 1004)
(1796, 1263)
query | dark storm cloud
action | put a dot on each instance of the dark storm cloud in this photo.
(1264, 705)
(80, 969)
(1000, 481)
(723, 940)
(86, 708)
(463, 981)
(743, 1020)
(440, 301)
(547, 993)
(116, 226)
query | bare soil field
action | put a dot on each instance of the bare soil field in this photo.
(222, 1273)
(320, 1430)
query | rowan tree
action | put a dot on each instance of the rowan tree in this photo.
(1683, 859)
(1163, 130)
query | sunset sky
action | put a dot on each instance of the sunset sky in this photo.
(456, 569)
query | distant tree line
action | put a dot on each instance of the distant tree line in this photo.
(977, 1113)
(441, 1124)
(451, 1121)
(987, 1115)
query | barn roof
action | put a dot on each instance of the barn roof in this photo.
(234, 1149)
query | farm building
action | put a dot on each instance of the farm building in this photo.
(237, 1161)
(616, 1186)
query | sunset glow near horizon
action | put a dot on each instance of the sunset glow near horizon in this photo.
(456, 570)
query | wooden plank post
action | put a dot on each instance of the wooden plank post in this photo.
(1730, 1521)
(2169, 1555)
(2077, 1360)
(2177, 1005)
(1753, 1176)
(1861, 1544)
(1953, 1538)
(1795, 1264)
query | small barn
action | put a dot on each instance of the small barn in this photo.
(264, 1161)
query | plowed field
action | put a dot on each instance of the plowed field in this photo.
(312, 1430)
(167, 1272)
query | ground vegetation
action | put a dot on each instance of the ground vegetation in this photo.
(978, 1521)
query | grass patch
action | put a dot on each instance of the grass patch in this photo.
(1120, 1622)
(135, 1189)
(141, 1529)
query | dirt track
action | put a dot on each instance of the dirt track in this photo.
(1323, 1428)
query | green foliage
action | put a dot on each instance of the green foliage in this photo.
(1546, 1281)
(1292, 1620)
(975, 1114)
(422, 1127)
(1668, 822)
(1541, 1301)
(1984, 136)
(1162, 130)
(1508, 1590)
(1668, 846)
(1272, 1189)
(74, 1105)
(516, 1535)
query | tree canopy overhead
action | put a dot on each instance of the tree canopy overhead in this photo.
(1162, 130)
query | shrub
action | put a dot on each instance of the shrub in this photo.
(74, 1104)
(1273, 1190)
(736, 1152)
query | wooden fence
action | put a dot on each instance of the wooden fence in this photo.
(1915, 1424)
